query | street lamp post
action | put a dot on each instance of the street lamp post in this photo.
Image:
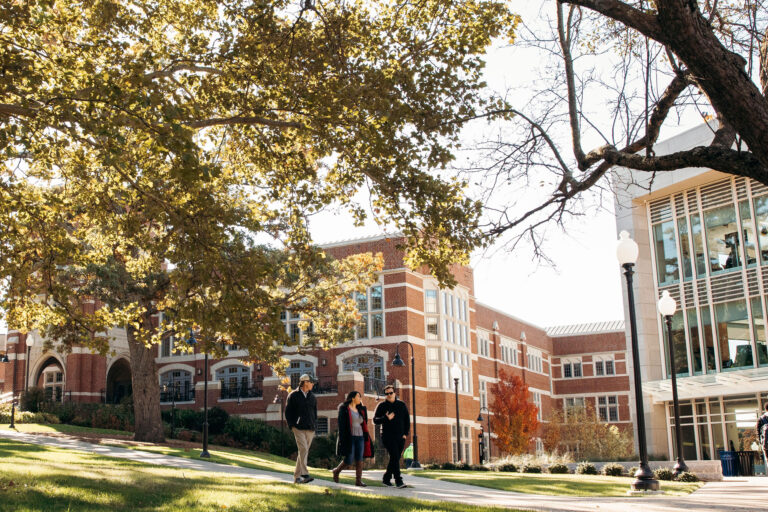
(29, 342)
(626, 252)
(667, 307)
(279, 400)
(399, 362)
(480, 419)
(192, 340)
(456, 375)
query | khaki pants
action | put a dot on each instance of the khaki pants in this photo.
(303, 440)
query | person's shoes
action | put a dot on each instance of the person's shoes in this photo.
(299, 480)
(401, 485)
(307, 479)
(387, 483)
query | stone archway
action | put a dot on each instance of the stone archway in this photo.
(50, 376)
(118, 381)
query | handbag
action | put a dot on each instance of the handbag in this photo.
(367, 443)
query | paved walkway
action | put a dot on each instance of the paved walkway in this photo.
(732, 494)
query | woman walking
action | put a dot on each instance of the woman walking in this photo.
(353, 443)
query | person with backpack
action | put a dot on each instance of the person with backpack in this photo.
(354, 442)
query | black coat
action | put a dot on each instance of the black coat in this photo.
(398, 426)
(761, 423)
(344, 442)
(300, 411)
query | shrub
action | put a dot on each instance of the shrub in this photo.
(508, 467)
(480, 467)
(559, 469)
(217, 419)
(464, 466)
(632, 471)
(531, 468)
(434, 466)
(687, 477)
(663, 474)
(586, 468)
(448, 466)
(613, 470)
(32, 399)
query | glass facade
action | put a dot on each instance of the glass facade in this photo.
(710, 251)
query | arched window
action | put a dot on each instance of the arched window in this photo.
(235, 380)
(297, 368)
(176, 385)
(372, 368)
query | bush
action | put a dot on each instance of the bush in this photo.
(663, 474)
(632, 471)
(586, 468)
(32, 399)
(448, 466)
(531, 468)
(687, 477)
(464, 466)
(508, 467)
(480, 467)
(613, 470)
(217, 419)
(26, 416)
(559, 469)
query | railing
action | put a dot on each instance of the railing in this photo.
(373, 385)
(179, 395)
(326, 386)
(230, 392)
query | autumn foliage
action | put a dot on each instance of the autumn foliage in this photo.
(515, 418)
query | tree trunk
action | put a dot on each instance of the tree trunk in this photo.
(146, 390)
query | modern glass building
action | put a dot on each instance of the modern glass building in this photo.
(703, 237)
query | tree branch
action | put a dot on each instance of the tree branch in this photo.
(251, 120)
(645, 23)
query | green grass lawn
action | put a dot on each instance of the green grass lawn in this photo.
(37, 478)
(220, 454)
(553, 485)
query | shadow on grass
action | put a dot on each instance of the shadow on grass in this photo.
(38, 478)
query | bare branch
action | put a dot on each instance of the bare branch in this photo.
(645, 23)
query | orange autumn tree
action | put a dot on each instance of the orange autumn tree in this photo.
(515, 419)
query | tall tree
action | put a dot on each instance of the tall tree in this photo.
(169, 155)
(615, 74)
(515, 418)
(579, 432)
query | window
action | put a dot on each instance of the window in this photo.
(483, 394)
(723, 239)
(430, 301)
(599, 370)
(176, 385)
(433, 354)
(483, 346)
(235, 380)
(535, 362)
(53, 385)
(576, 369)
(432, 333)
(666, 252)
(298, 368)
(604, 366)
(372, 318)
(433, 376)
(372, 368)
(567, 373)
(574, 402)
(536, 398)
(609, 369)
(321, 426)
(608, 408)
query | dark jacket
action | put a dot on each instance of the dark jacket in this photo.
(398, 426)
(761, 423)
(300, 411)
(344, 442)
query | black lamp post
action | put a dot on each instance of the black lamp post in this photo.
(480, 419)
(204, 453)
(667, 307)
(626, 252)
(279, 400)
(456, 374)
(397, 361)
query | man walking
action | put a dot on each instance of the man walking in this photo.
(392, 415)
(301, 415)
(762, 434)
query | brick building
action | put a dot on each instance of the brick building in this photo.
(446, 328)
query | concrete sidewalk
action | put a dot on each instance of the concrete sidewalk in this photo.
(732, 494)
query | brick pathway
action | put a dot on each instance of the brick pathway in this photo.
(732, 494)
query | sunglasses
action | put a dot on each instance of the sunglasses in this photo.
(389, 393)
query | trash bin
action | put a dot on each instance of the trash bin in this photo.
(746, 462)
(730, 463)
